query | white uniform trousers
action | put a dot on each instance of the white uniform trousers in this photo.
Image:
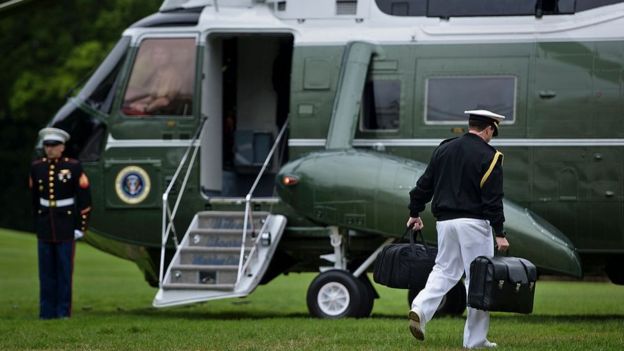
(460, 241)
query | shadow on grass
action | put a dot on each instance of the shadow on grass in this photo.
(197, 314)
(181, 313)
(530, 318)
(571, 318)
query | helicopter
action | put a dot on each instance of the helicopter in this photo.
(229, 142)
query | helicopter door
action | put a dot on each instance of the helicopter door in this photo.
(245, 96)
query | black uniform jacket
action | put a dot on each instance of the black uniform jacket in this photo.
(465, 179)
(61, 198)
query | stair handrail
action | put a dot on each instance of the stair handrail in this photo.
(168, 215)
(248, 197)
(253, 250)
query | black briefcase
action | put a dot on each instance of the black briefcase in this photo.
(405, 266)
(505, 284)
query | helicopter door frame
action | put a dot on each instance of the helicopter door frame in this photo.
(252, 106)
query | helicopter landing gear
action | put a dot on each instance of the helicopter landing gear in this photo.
(337, 293)
(613, 270)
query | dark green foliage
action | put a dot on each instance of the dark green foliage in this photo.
(48, 48)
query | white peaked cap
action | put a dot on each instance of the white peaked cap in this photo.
(53, 134)
(487, 114)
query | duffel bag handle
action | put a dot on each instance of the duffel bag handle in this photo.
(414, 237)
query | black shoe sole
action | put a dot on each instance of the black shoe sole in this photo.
(414, 325)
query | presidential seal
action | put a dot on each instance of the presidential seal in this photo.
(132, 185)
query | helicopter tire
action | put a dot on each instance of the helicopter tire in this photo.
(368, 296)
(452, 304)
(613, 270)
(336, 294)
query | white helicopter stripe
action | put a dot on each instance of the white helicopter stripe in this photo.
(436, 142)
(132, 143)
(138, 143)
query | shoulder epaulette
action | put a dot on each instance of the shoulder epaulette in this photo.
(497, 155)
(70, 160)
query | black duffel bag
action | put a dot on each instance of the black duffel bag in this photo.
(505, 284)
(405, 266)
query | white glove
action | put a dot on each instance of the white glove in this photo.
(78, 234)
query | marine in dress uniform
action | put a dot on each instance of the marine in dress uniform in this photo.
(465, 181)
(62, 203)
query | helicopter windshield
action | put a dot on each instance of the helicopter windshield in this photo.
(161, 82)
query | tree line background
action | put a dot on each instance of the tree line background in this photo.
(47, 48)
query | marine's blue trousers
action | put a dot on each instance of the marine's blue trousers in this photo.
(56, 266)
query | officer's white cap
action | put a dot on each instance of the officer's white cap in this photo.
(487, 116)
(53, 135)
(485, 113)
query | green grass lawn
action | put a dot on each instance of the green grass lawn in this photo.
(112, 311)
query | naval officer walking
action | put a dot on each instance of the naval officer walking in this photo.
(61, 204)
(465, 180)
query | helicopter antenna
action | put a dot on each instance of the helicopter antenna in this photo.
(216, 5)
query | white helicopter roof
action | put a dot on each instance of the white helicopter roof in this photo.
(339, 21)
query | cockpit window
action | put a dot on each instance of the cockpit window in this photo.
(161, 82)
(99, 90)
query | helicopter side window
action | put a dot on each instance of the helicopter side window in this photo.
(381, 105)
(162, 79)
(448, 97)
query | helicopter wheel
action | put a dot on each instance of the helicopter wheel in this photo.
(613, 270)
(368, 296)
(337, 294)
(452, 304)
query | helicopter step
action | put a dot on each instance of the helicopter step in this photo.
(218, 259)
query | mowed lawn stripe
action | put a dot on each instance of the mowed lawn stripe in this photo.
(112, 311)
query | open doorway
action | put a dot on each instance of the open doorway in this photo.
(245, 95)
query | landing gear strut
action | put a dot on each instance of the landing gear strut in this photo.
(337, 293)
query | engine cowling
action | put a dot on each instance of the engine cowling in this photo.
(368, 191)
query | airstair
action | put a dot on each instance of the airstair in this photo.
(223, 254)
(206, 263)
